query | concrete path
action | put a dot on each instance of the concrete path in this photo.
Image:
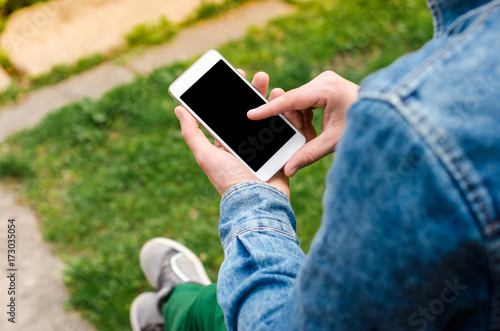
(40, 293)
(35, 106)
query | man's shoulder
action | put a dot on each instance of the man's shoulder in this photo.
(449, 87)
(446, 93)
(468, 49)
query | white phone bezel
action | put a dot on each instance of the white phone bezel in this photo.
(200, 68)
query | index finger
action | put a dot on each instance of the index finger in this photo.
(303, 97)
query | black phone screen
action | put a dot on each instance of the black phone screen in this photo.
(221, 99)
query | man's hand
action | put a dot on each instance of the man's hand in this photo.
(329, 91)
(222, 168)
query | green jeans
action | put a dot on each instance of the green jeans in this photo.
(193, 307)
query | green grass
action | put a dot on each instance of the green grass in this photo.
(107, 175)
(5, 62)
(152, 33)
(163, 30)
(57, 74)
(13, 166)
(211, 9)
(7, 7)
(63, 71)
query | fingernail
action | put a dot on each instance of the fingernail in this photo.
(294, 170)
(252, 111)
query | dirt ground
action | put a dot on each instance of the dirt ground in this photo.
(63, 31)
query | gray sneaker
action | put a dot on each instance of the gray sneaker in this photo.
(166, 263)
(143, 313)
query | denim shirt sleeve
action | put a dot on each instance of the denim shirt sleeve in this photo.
(398, 249)
(262, 253)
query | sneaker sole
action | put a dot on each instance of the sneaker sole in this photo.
(134, 310)
(179, 247)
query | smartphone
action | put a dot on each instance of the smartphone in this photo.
(219, 97)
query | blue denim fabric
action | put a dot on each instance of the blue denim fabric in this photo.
(410, 235)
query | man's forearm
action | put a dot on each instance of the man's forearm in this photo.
(262, 255)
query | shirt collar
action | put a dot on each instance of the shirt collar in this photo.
(445, 12)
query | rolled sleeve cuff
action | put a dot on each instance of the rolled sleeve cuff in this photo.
(255, 206)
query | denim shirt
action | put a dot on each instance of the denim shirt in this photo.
(410, 234)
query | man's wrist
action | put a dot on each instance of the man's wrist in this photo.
(255, 206)
(251, 185)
